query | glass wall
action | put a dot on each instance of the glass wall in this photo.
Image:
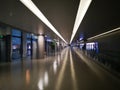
(29, 44)
(93, 46)
(50, 46)
(16, 44)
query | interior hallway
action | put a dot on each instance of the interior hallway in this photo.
(68, 70)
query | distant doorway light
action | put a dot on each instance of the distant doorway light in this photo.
(32, 7)
(82, 9)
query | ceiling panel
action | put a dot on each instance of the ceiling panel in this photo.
(102, 15)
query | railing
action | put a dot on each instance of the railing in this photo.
(109, 59)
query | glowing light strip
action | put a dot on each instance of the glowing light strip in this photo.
(32, 7)
(102, 34)
(83, 7)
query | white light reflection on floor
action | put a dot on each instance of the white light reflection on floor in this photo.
(90, 64)
(40, 84)
(46, 79)
(55, 66)
(73, 73)
(57, 62)
(59, 59)
(60, 77)
(43, 82)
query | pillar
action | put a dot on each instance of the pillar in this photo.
(8, 44)
(41, 47)
(24, 45)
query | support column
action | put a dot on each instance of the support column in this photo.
(24, 45)
(8, 44)
(41, 47)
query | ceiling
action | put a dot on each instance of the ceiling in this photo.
(102, 16)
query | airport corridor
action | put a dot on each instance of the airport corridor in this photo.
(68, 70)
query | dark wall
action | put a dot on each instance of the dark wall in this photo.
(110, 44)
(109, 51)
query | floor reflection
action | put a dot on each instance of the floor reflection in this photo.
(61, 73)
(75, 87)
(68, 70)
(40, 84)
(55, 66)
(43, 81)
(27, 77)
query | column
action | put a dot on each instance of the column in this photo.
(8, 44)
(41, 47)
(24, 45)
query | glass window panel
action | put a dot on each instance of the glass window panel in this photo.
(16, 32)
(28, 35)
(16, 40)
(34, 37)
(16, 48)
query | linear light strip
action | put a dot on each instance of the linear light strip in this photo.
(102, 34)
(83, 7)
(32, 7)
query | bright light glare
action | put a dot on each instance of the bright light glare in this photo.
(83, 6)
(46, 78)
(55, 66)
(32, 7)
(40, 84)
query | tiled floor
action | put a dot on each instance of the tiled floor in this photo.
(70, 70)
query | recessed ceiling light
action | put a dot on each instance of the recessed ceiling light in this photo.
(32, 7)
(82, 9)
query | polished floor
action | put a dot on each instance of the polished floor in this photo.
(68, 70)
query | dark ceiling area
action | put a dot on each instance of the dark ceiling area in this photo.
(102, 16)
